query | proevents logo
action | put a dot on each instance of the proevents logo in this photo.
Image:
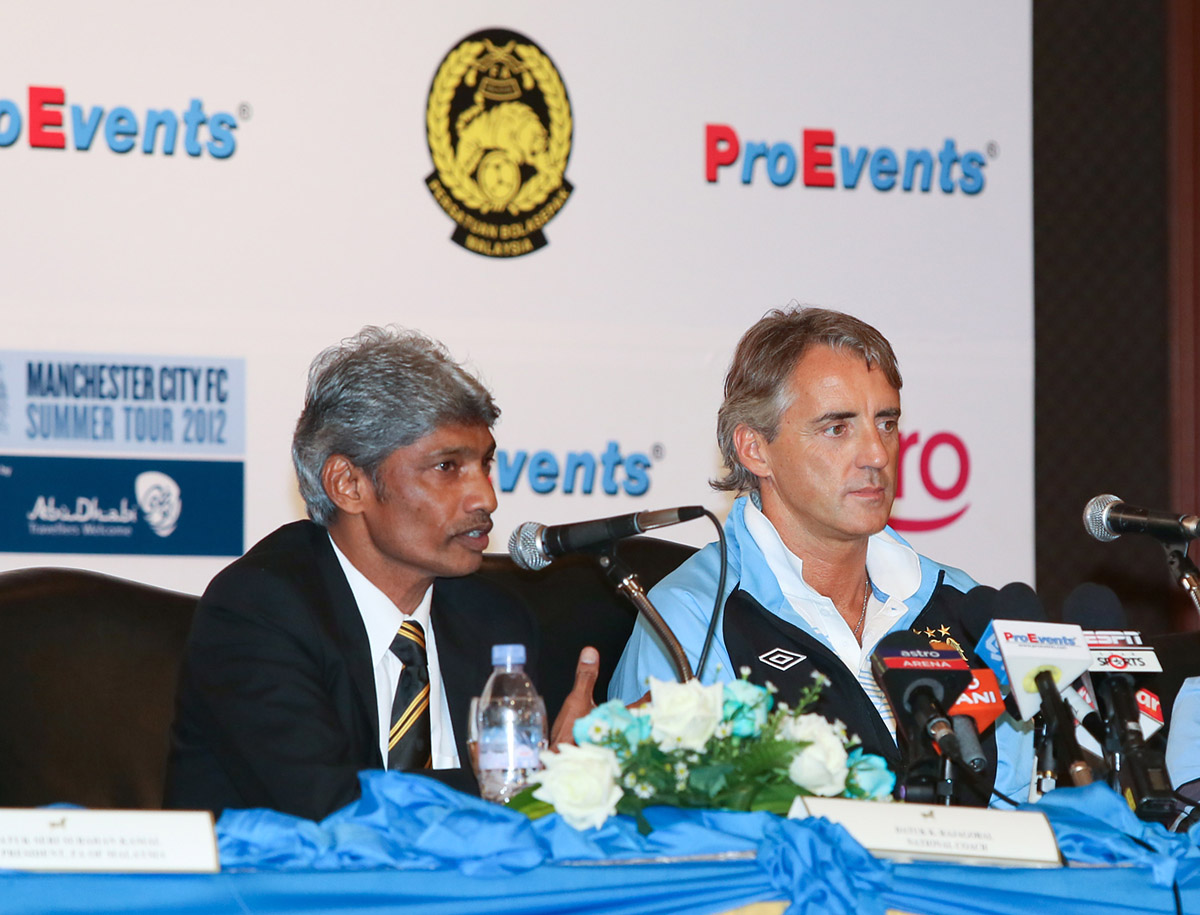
(611, 471)
(821, 162)
(46, 121)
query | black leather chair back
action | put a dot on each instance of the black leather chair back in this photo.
(88, 668)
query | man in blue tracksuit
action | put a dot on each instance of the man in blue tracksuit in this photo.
(809, 430)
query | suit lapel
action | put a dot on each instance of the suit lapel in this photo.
(344, 623)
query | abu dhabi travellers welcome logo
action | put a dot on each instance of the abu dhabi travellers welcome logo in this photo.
(499, 126)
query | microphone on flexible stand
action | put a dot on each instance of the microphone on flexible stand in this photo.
(1106, 518)
(534, 546)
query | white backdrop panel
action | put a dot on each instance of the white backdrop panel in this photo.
(621, 328)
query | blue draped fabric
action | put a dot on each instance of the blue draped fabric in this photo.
(410, 844)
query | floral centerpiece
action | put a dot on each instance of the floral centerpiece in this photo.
(702, 746)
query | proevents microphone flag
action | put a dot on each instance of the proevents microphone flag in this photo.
(1028, 649)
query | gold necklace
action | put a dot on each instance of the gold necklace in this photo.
(862, 616)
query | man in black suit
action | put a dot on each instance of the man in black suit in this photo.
(290, 679)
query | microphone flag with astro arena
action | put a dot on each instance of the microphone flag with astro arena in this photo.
(920, 683)
(534, 546)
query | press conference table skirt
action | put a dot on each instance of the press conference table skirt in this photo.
(645, 888)
(413, 845)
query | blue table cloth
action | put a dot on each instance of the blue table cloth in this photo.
(410, 844)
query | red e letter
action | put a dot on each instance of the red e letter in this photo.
(817, 159)
(721, 147)
(40, 117)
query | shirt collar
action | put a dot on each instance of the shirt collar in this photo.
(894, 566)
(380, 616)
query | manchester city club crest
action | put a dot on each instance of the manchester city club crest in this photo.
(499, 127)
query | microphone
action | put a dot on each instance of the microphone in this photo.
(979, 705)
(1041, 659)
(1140, 771)
(919, 681)
(1106, 518)
(534, 546)
(1115, 648)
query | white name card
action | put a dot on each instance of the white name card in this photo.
(964, 835)
(112, 841)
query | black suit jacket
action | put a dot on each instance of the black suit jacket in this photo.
(276, 704)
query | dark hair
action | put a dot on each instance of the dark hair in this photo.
(756, 386)
(382, 389)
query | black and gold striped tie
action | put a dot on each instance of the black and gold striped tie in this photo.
(409, 740)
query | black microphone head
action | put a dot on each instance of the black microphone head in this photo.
(1094, 517)
(1018, 601)
(1094, 606)
(979, 608)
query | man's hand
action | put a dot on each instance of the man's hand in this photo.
(579, 701)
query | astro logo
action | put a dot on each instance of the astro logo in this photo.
(576, 471)
(943, 465)
(49, 123)
(823, 163)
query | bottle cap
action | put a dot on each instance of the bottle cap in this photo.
(508, 655)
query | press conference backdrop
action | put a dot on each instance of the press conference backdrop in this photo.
(590, 206)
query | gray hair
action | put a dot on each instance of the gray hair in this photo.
(756, 387)
(382, 389)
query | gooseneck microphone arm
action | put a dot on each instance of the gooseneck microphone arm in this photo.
(626, 581)
(1183, 570)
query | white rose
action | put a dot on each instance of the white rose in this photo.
(821, 766)
(684, 715)
(581, 783)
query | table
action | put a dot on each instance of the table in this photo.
(410, 844)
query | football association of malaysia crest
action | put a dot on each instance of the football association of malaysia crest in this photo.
(498, 122)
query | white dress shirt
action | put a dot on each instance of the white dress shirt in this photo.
(895, 573)
(382, 620)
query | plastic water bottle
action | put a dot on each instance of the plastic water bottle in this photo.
(511, 726)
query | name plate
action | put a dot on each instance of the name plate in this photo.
(925, 832)
(108, 841)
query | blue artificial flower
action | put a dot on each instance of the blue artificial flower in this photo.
(606, 721)
(746, 707)
(869, 776)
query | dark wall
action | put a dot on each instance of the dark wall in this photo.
(1100, 289)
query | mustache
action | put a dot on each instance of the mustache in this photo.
(478, 520)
